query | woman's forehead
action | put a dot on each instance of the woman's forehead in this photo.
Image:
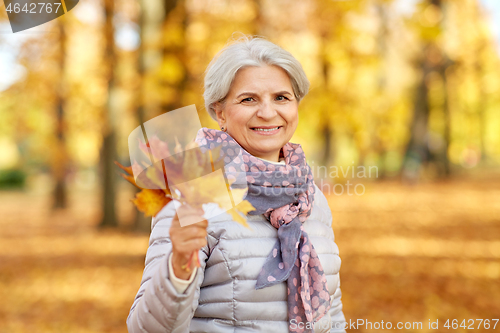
(264, 78)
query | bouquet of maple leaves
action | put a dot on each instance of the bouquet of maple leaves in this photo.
(184, 164)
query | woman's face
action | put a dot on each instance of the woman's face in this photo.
(260, 111)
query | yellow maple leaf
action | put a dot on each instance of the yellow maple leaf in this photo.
(238, 194)
(155, 174)
(195, 164)
(244, 207)
(238, 218)
(240, 211)
(150, 202)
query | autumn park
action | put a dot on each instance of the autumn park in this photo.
(401, 127)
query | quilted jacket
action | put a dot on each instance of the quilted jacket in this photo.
(222, 298)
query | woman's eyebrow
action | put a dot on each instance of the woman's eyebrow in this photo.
(246, 93)
(283, 92)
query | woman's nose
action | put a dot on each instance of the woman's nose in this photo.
(266, 110)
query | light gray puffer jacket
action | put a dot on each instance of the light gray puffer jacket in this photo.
(222, 298)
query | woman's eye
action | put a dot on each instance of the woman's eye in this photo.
(248, 99)
(281, 98)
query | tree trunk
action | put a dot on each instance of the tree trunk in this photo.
(482, 104)
(447, 119)
(151, 19)
(382, 40)
(108, 151)
(60, 160)
(327, 137)
(417, 151)
(328, 130)
(141, 222)
(176, 9)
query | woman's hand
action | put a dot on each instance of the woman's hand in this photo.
(187, 239)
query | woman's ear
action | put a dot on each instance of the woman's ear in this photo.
(219, 113)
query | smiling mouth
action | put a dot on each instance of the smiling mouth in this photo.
(266, 129)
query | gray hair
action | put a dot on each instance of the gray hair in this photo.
(244, 52)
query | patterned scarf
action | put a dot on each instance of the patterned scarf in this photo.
(285, 195)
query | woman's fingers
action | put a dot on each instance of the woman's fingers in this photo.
(186, 210)
(188, 216)
(182, 235)
(188, 238)
(194, 244)
(186, 248)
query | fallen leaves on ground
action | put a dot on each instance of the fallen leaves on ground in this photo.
(408, 254)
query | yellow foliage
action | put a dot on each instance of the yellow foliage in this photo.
(242, 208)
(150, 202)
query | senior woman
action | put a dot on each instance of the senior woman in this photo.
(282, 273)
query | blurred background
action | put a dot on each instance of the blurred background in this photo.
(409, 88)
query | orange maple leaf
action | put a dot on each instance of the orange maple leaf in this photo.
(150, 202)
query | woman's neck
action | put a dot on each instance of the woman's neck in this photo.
(274, 157)
(281, 161)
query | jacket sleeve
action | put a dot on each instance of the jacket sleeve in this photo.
(337, 324)
(158, 307)
(336, 314)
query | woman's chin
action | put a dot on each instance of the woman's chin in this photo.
(268, 138)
